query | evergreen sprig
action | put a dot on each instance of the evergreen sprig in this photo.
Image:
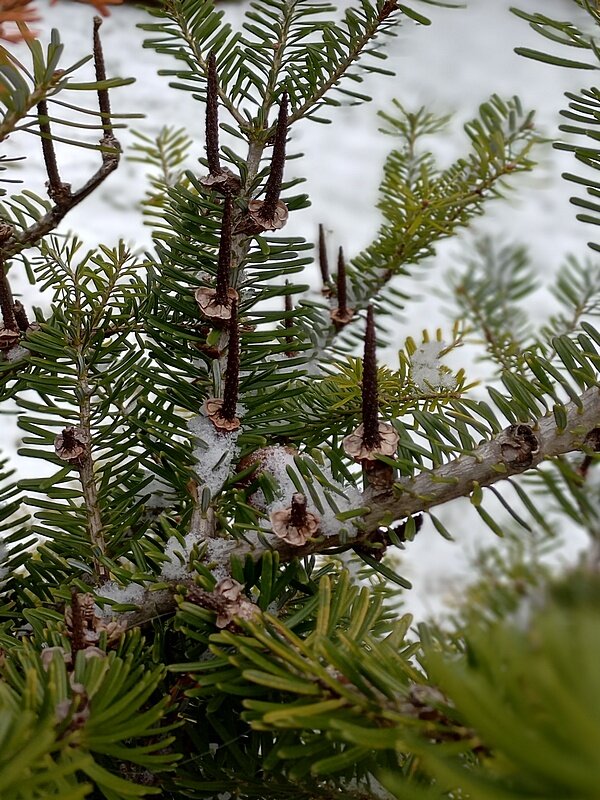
(225, 475)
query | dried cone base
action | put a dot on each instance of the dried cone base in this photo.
(256, 222)
(208, 305)
(71, 444)
(8, 339)
(342, 316)
(223, 181)
(281, 523)
(212, 409)
(354, 445)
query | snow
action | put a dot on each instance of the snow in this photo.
(214, 453)
(426, 370)
(451, 66)
(216, 556)
(132, 594)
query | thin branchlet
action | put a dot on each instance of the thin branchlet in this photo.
(212, 116)
(273, 187)
(232, 374)
(323, 260)
(370, 406)
(224, 260)
(57, 190)
(100, 68)
(342, 297)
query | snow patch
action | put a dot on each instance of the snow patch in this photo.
(214, 452)
(426, 370)
(132, 594)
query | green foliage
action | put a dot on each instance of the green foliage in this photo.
(526, 696)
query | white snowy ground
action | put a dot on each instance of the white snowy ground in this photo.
(452, 66)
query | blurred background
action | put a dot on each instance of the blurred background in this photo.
(451, 67)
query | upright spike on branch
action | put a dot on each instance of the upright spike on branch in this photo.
(222, 412)
(232, 375)
(342, 314)
(21, 315)
(323, 260)
(224, 260)
(271, 213)
(78, 641)
(273, 187)
(216, 303)
(219, 178)
(10, 328)
(212, 115)
(372, 438)
(370, 407)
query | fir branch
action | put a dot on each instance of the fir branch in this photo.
(513, 451)
(379, 22)
(66, 199)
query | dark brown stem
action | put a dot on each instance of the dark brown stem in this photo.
(323, 260)
(342, 297)
(232, 374)
(298, 511)
(20, 315)
(57, 190)
(7, 304)
(370, 405)
(224, 262)
(212, 116)
(77, 626)
(273, 187)
(103, 98)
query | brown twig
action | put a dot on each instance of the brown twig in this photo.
(100, 69)
(67, 199)
(57, 190)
